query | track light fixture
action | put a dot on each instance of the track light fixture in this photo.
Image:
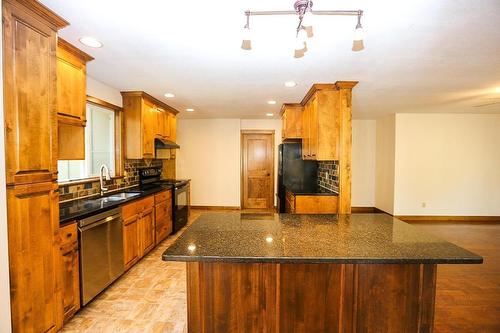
(303, 9)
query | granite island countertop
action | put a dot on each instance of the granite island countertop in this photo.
(79, 209)
(287, 238)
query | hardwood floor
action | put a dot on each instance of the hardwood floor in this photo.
(468, 296)
(151, 296)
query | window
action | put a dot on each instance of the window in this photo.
(99, 146)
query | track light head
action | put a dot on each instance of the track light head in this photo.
(246, 44)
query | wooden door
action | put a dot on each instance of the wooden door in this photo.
(34, 257)
(70, 270)
(29, 65)
(146, 228)
(305, 131)
(130, 241)
(257, 169)
(163, 219)
(172, 123)
(313, 129)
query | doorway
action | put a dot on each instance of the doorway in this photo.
(257, 169)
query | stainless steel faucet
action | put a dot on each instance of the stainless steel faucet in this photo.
(106, 176)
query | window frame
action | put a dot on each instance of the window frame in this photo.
(118, 141)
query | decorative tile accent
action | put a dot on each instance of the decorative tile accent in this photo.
(131, 178)
(332, 181)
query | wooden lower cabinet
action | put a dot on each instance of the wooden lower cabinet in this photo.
(311, 204)
(163, 215)
(130, 241)
(34, 257)
(138, 229)
(146, 229)
(70, 270)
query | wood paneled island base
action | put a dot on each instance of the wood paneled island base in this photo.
(324, 297)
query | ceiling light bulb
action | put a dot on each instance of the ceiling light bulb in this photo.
(169, 95)
(189, 110)
(246, 44)
(269, 114)
(290, 84)
(271, 102)
(358, 33)
(90, 41)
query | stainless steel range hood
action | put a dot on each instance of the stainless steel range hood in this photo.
(165, 144)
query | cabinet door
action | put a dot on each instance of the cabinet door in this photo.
(305, 131)
(146, 231)
(34, 257)
(313, 129)
(163, 220)
(172, 122)
(71, 86)
(70, 271)
(29, 67)
(148, 129)
(130, 241)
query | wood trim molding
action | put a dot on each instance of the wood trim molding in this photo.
(147, 96)
(289, 105)
(316, 87)
(443, 218)
(56, 21)
(73, 50)
(100, 102)
(366, 210)
(258, 132)
(345, 84)
(216, 207)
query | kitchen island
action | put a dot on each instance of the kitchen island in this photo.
(311, 273)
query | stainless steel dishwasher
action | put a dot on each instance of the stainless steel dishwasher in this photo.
(101, 252)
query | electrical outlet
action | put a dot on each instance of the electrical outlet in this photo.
(424, 204)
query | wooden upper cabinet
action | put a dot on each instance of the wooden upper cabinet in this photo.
(146, 119)
(29, 74)
(291, 115)
(320, 121)
(71, 100)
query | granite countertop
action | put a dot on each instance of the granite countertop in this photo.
(287, 238)
(79, 209)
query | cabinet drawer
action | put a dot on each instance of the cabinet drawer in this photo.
(130, 210)
(146, 203)
(163, 196)
(69, 235)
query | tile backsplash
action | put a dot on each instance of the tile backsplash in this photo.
(330, 182)
(131, 178)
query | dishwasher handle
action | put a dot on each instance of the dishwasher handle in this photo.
(108, 219)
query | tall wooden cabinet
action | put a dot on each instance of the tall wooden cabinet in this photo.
(29, 74)
(71, 100)
(146, 118)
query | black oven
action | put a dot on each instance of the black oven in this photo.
(180, 206)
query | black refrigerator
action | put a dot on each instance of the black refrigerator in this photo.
(297, 175)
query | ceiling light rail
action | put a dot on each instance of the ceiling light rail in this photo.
(303, 9)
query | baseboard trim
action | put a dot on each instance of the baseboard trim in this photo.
(442, 218)
(216, 207)
(366, 210)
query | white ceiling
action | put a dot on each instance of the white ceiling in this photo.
(420, 56)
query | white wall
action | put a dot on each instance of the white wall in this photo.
(4, 249)
(102, 91)
(384, 164)
(363, 162)
(450, 162)
(210, 157)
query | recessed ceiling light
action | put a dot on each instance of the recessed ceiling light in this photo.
(189, 110)
(497, 90)
(169, 95)
(90, 41)
(290, 84)
(271, 102)
(269, 114)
